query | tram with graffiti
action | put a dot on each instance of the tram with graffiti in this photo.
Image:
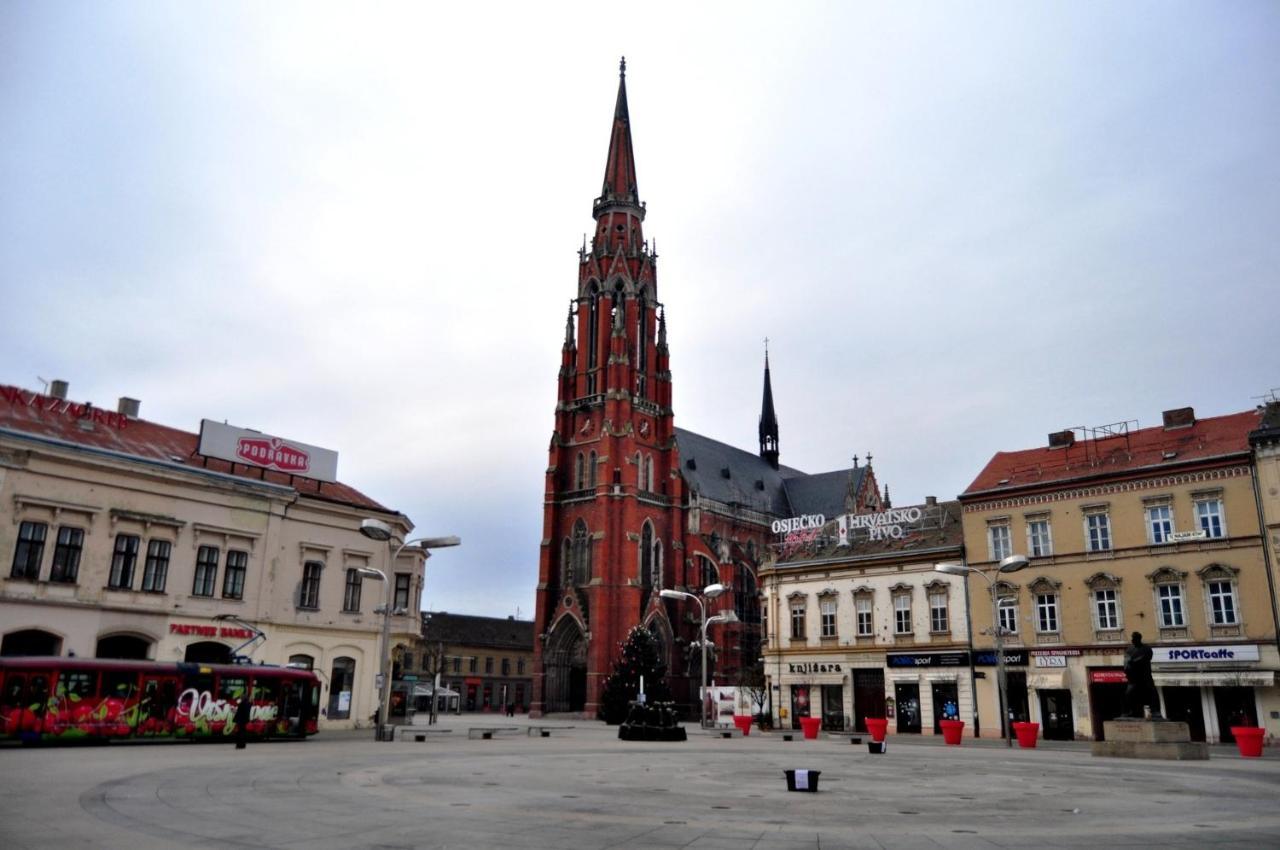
(63, 700)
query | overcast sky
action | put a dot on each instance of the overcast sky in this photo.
(961, 226)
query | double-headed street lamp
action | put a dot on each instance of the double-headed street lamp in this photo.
(376, 529)
(711, 591)
(1011, 564)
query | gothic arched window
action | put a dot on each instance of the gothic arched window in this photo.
(578, 479)
(708, 574)
(646, 556)
(581, 553)
(593, 336)
(746, 599)
(648, 473)
(566, 564)
(591, 470)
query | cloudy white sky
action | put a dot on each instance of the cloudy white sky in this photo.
(961, 226)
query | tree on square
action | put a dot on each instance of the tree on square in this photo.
(639, 658)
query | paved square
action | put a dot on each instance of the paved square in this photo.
(582, 788)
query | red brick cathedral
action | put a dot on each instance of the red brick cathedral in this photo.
(634, 504)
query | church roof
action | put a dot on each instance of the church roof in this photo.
(726, 474)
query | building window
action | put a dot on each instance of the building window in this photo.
(902, 614)
(29, 551)
(206, 571)
(233, 578)
(827, 613)
(488, 665)
(473, 665)
(457, 664)
(862, 607)
(938, 619)
(1172, 613)
(591, 470)
(1039, 539)
(746, 596)
(1098, 531)
(1209, 517)
(506, 666)
(351, 596)
(1159, 523)
(66, 555)
(1008, 611)
(579, 478)
(710, 575)
(309, 593)
(519, 666)
(797, 621)
(1222, 602)
(1047, 613)
(402, 590)
(123, 561)
(1106, 608)
(999, 541)
(156, 571)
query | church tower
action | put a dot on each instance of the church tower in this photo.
(612, 505)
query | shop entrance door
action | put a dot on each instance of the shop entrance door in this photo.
(868, 697)
(833, 708)
(1236, 707)
(1019, 709)
(799, 704)
(1183, 704)
(946, 704)
(1057, 723)
(908, 699)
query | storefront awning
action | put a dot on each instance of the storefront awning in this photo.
(425, 691)
(1050, 681)
(1220, 679)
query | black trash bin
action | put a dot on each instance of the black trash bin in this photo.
(808, 778)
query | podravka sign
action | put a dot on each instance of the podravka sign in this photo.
(240, 445)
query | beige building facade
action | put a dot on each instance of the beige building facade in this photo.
(123, 541)
(1151, 530)
(859, 624)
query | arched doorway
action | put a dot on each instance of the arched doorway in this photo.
(123, 646)
(207, 652)
(565, 668)
(31, 642)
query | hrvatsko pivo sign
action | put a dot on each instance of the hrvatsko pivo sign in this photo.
(240, 445)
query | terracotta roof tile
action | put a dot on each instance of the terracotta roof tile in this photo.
(1138, 451)
(84, 426)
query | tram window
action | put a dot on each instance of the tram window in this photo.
(77, 683)
(292, 698)
(39, 689)
(15, 685)
(265, 690)
(201, 682)
(120, 683)
(232, 687)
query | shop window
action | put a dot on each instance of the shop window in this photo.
(155, 573)
(999, 541)
(1097, 529)
(1159, 522)
(341, 686)
(309, 592)
(66, 555)
(351, 594)
(206, 577)
(29, 551)
(123, 560)
(233, 577)
(1209, 515)
(1039, 537)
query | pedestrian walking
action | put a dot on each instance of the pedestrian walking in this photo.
(242, 721)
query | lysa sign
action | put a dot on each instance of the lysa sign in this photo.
(1203, 654)
(240, 445)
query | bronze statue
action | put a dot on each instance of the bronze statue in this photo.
(1141, 691)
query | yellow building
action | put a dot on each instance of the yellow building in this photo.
(1151, 530)
(129, 539)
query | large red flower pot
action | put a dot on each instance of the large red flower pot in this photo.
(1248, 740)
(743, 722)
(952, 731)
(810, 725)
(1027, 733)
(876, 727)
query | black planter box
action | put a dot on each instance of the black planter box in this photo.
(813, 780)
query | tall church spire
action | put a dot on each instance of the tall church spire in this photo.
(620, 168)
(768, 419)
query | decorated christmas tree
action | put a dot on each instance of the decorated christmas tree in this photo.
(640, 657)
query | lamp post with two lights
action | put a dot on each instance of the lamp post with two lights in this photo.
(711, 591)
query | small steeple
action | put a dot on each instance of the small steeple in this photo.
(662, 329)
(768, 419)
(568, 329)
(886, 503)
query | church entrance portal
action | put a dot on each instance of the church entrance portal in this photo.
(566, 669)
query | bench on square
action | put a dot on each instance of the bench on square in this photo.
(485, 733)
(416, 733)
(545, 731)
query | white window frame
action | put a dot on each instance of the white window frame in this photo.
(1007, 614)
(999, 540)
(1163, 617)
(1098, 521)
(1204, 516)
(1229, 594)
(1048, 621)
(1039, 545)
(1105, 610)
(901, 606)
(939, 602)
(864, 613)
(827, 607)
(798, 608)
(1160, 527)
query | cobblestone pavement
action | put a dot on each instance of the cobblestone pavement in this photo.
(582, 788)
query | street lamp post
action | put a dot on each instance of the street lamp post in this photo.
(711, 591)
(376, 529)
(1011, 564)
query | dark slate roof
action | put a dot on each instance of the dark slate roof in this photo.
(466, 630)
(752, 483)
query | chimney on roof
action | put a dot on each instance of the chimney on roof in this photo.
(128, 406)
(1062, 439)
(58, 389)
(1181, 417)
(930, 501)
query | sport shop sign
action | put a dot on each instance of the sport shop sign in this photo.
(254, 448)
(927, 659)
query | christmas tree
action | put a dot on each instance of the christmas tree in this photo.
(640, 657)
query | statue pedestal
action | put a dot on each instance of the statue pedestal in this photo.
(1169, 740)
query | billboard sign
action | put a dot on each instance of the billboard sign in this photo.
(240, 445)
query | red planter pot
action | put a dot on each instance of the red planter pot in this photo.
(952, 731)
(1249, 740)
(1027, 733)
(876, 727)
(810, 725)
(743, 722)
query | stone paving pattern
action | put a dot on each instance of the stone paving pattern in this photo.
(582, 788)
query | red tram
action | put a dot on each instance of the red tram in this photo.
(57, 700)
